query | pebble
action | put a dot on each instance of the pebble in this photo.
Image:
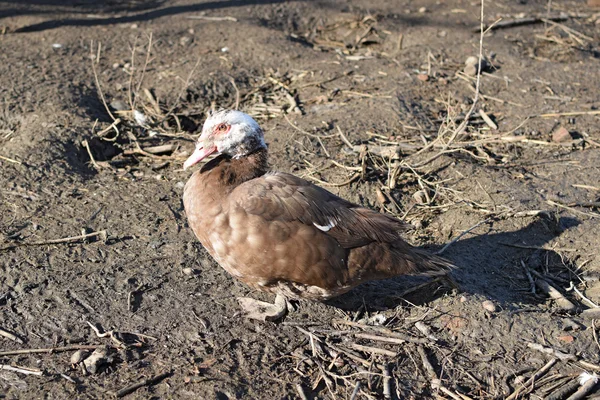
(422, 10)
(423, 77)
(488, 305)
(470, 70)
(420, 197)
(471, 60)
(566, 338)
(561, 135)
(188, 271)
(79, 356)
(180, 185)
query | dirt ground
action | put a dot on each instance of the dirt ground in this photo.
(366, 97)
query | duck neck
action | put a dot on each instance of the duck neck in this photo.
(231, 172)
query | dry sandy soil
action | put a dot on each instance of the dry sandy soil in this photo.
(390, 76)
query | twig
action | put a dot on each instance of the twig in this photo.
(21, 370)
(300, 391)
(103, 235)
(344, 138)
(146, 382)
(344, 183)
(463, 125)
(237, 93)
(557, 296)
(399, 339)
(232, 19)
(49, 350)
(569, 114)
(553, 203)
(488, 120)
(387, 381)
(518, 246)
(461, 235)
(538, 374)
(548, 350)
(355, 391)
(522, 21)
(89, 151)
(529, 277)
(585, 299)
(10, 160)
(373, 350)
(588, 382)
(10, 336)
(98, 87)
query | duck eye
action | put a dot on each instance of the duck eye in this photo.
(222, 128)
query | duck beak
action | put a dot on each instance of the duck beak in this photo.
(198, 155)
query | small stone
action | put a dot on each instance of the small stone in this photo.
(561, 135)
(470, 70)
(118, 105)
(471, 60)
(98, 358)
(185, 40)
(423, 77)
(188, 271)
(442, 81)
(224, 49)
(57, 45)
(116, 65)
(422, 10)
(134, 26)
(489, 306)
(420, 197)
(180, 185)
(79, 356)
(566, 338)
(463, 299)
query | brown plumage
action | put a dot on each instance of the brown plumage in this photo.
(279, 233)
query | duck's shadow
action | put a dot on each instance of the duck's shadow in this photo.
(487, 264)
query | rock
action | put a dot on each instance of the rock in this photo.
(423, 77)
(570, 325)
(420, 196)
(471, 64)
(98, 358)
(470, 70)
(119, 105)
(79, 356)
(471, 60)
(566, 338)
(592, 313)
(489, 306)
(561, 135)
(422, 10)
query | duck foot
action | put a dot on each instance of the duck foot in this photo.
(263, 311)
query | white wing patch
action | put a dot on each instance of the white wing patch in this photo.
(325, 228)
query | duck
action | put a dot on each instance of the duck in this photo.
(281, 234)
